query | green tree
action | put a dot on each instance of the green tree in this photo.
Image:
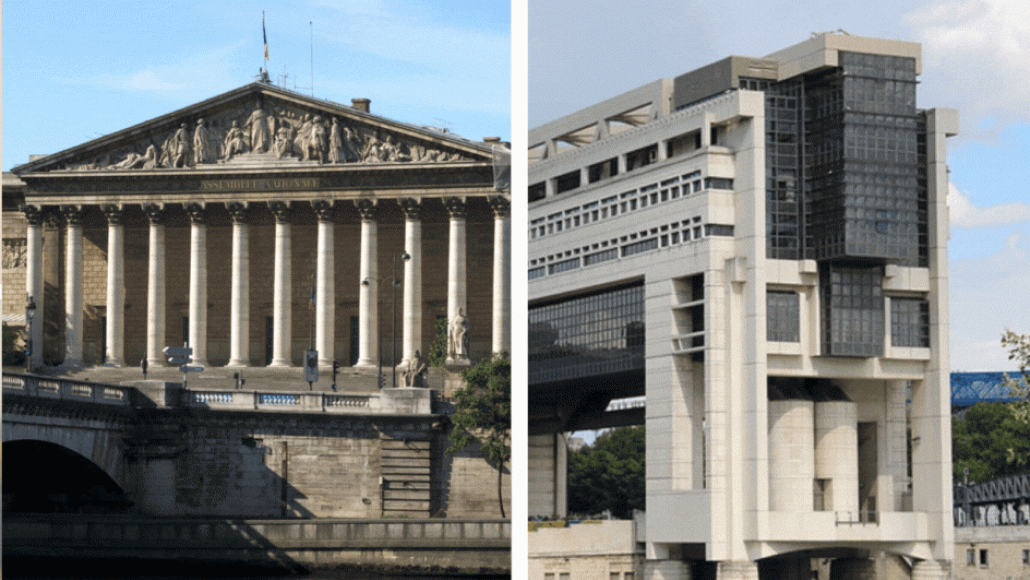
(437, 353)
(12, 356)
(608, 475)
(483, 414)
(992, 441)
(1018, 346)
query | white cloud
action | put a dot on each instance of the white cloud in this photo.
(988, 294)
(149, 81)
(966, 215)
(981, 45)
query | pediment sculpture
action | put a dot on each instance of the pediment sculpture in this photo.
(281, 135)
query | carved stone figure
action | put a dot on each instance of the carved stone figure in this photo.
(15, 251)
(234, 142)
(335, 141)
(257, 125)
(282, 141)
(300, 143)
(414, 374)
(457, 343)
(202, 150)
(351, 145)
(316, 142)
(136, 161)
(180, 146)
(373, 149)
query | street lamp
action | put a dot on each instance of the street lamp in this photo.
(395, 282)
(30, 313)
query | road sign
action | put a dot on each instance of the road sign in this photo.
(311, 366)
(178, 355)
(189, 369)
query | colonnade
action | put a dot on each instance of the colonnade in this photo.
(368, 328)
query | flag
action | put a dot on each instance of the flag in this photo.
(264, 35)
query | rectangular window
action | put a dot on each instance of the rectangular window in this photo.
(970, 557)
(536, 272)
(537, 191)
(782, 316)
(910, 322)
(983, 558)
(1026, 557)
(718, 183)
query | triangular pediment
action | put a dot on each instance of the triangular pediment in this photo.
(260, 125)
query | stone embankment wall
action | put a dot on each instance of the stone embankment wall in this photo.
(470, 545)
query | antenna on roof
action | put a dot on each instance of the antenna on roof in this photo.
(312, 27)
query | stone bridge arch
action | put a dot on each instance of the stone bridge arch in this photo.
(41, 476)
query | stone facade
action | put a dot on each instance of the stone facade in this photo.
(404, 175)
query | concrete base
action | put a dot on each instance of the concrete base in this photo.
(742, 570)
(666, 570)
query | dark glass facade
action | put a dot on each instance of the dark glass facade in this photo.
(910, 322)
(842, 163)
(590, 335)
(852, 315)
(783, 316)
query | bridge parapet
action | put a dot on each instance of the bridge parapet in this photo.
(68, 390)
(401, 401)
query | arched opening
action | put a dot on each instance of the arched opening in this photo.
(44, 477)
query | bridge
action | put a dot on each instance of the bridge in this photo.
(156, 451)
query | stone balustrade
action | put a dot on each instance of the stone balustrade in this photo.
(398, 401)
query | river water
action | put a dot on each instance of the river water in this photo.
(70, 569)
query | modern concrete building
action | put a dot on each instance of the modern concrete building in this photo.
(759, 247)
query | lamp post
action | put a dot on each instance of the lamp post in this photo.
(394, 281)
(30, 313)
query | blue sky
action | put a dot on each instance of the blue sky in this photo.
(73, 70)
(976, 58)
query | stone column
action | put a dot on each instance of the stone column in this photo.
(502, 275)
(325, 285)
(115, 285)
(281, 300)
(156, 286)
(239, 316)
(34, 279)
(73, 287)
(457, 303)
(412, 310)
(368, 291)
(198, 283)
(51, 316)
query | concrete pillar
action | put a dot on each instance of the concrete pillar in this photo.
(501, 335)
(547, 465)
(282, 308)
(73, 287)
(34, 280)
(156, 286)
(791, 455)
(836, 453)
(895, 494)
(368, 291)
(198, 283)
(325, 286)
(931, 570)
(738, 570)
(412, 310)
(115, 286)
(239, 315)
(457, 304)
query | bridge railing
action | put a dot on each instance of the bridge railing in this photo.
(67, 389)
(413, 401)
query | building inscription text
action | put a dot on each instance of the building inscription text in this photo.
(259, 184)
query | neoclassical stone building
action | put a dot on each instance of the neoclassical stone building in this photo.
(253, 226)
